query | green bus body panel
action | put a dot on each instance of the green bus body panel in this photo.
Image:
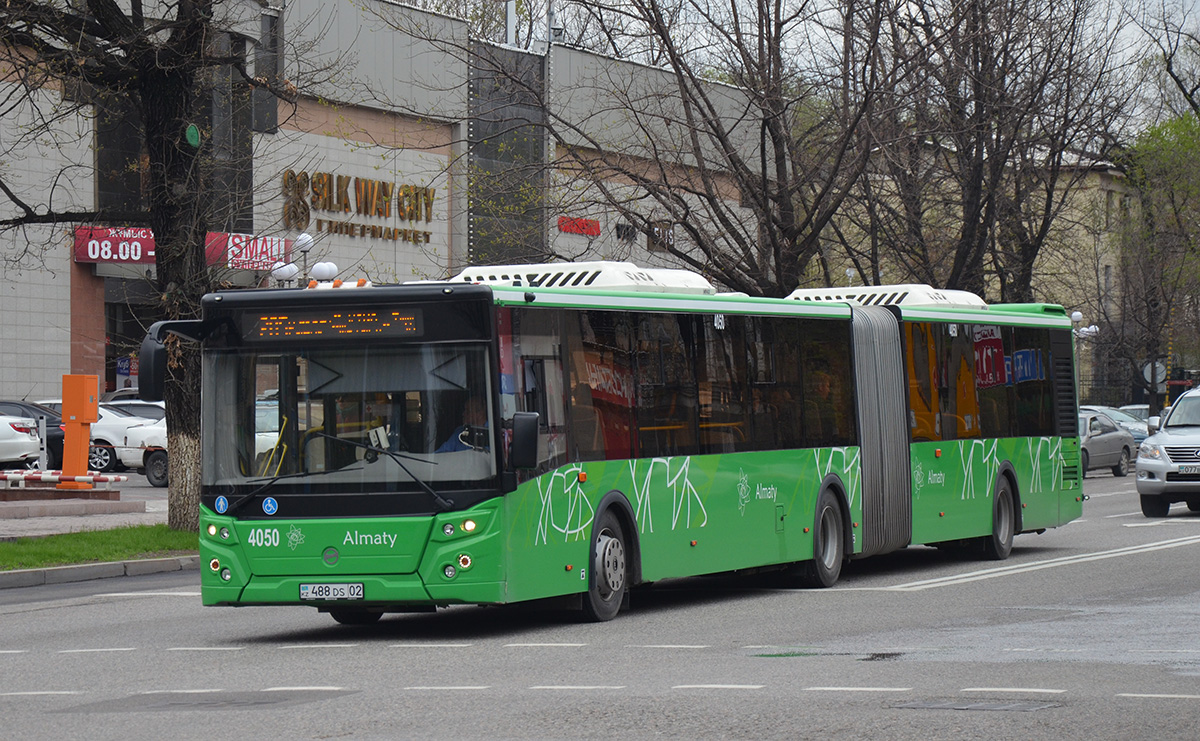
(369, 550)
(691, 514)
(954, 484)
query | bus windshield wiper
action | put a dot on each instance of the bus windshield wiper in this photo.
(445, 504)
(241, 501)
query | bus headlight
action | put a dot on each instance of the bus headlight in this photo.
(468, 526)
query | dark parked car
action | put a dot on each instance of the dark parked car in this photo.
(54, 427)
(1137, 427)
(1105, 444)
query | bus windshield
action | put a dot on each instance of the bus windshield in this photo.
(359, 419)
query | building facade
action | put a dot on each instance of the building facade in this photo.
(408, 155)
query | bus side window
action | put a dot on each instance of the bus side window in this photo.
(601, 384)
(922, 391)
(667, 393)
(828, 402)
(539, 385)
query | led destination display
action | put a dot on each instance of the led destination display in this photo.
(335, 323)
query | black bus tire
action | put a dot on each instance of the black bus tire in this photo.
(829, 551)
(998, 545)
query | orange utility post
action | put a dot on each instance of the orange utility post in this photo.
(81, 407)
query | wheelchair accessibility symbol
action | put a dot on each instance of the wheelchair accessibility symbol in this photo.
(270, 506)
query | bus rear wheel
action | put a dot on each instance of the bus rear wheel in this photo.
(999, 544)
(829, 536)
(355, 617)
(608, 574)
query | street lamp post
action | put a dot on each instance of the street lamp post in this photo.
(304, 243)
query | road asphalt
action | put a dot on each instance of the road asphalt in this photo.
(136, 503)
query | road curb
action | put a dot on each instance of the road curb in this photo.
(89, 571)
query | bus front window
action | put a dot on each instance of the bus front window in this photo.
(357, 417)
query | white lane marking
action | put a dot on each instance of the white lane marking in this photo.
(149, 594)
(302, 689)
(14, 651)
(1159, 697)
(37, 694)
(544, 645)
(94, 650)
(179, 692)
(718, 687)
(971, 576)
(1171, 521)
(207, 648)
(1021, 690)
(431, 645)
(1127, 514)
(668, 645)
(578, 687)
(1049, 650)
(1163, 650)
(318, 645)
(858, 689)
(448, 688)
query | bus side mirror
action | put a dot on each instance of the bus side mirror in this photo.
(524, 449)
(152, 367)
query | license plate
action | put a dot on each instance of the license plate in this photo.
(331, 591)
(1189, 469)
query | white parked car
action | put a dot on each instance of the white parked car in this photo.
(150, 409)
(18, 442)
(145, 447)
(107, 435)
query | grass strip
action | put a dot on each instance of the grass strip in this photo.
(96, 546)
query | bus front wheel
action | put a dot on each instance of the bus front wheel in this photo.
(608, 576)
(829, 536)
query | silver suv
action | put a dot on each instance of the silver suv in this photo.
(1168, 462)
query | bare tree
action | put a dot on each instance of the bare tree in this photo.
(742, 144)
(161, 65)
(1153, 306)
(992, 114)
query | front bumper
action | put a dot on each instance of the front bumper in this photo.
(1162, 479)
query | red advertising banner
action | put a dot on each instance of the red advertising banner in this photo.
(122, 245)
(586, 227)
(245, 251)
(135, 246)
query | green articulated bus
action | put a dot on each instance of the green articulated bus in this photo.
(575, 430)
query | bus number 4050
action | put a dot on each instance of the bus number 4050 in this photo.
(261, 536)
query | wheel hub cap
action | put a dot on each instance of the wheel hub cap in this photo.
(610, 559)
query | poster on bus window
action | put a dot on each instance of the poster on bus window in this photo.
(608, 382)
(990, 363)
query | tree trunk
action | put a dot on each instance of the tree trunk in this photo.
(183, 501)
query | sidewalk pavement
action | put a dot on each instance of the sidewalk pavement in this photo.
(139, 504)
